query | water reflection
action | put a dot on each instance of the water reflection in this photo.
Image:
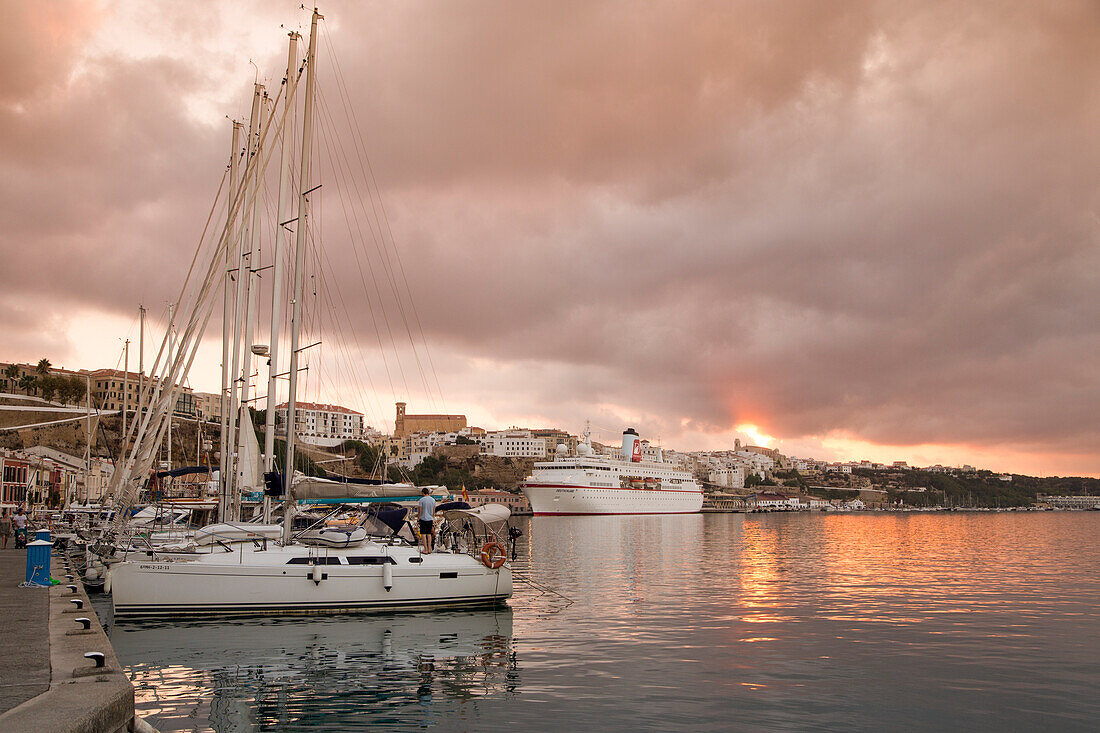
(686, 623)
(318, 673)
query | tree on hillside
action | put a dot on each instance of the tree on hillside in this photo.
(27, 383)
(43, 367)
(78, 389)
(49, 385)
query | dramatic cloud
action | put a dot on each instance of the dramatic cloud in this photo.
(850, 224)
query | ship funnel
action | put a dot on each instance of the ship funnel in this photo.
(632, 449)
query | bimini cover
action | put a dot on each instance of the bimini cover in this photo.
(491, 515)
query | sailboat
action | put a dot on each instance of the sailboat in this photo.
(261, 575)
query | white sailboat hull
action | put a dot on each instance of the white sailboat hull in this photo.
(251, 581)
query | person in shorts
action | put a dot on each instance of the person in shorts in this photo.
(427, 521)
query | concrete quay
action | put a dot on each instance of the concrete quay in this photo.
(46, 683)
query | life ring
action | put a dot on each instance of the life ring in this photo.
(493, 555)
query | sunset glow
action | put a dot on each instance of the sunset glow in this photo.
(877, 239)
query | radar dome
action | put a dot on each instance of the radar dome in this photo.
(584, 449)
(562, 449)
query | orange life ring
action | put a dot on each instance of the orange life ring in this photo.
(493, 555)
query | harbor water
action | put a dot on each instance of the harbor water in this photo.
(861, 621)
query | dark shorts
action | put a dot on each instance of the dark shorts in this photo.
(426, 526)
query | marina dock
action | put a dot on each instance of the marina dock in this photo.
(46, 682)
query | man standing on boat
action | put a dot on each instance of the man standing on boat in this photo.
(427, 520)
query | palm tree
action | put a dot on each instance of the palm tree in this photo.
(27, 382)
(43, 367)
(11, 371)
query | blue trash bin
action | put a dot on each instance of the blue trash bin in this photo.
(38, 563)
(42, 534)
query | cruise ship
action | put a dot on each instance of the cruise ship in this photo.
(587, 483)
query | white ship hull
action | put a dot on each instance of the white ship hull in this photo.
(254, 581)
(551, 499)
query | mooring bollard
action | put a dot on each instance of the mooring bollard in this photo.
(99, 658)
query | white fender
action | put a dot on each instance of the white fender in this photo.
(315, 574)
(107, 581)
(387, 576)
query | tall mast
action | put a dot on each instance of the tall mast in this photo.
(88, 441)
(277, 261)
(171, 408)
(125, 390)
(141, 358)
(251, 291)
(244, 265)
(299, 265)
(227, 324)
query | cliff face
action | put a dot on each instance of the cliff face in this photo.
(504, 473)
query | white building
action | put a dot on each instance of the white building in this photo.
(321, 425)
(512, 444)
(729, 477)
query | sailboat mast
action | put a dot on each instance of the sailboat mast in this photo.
(277, 262)
(141, 358)
(251, 291)
(299, 266)
(88, 441)
(244, 265)
(227, 324)
(171, 408)
(125, 391)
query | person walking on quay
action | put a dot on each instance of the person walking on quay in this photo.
(5, 529)
(427, 520)
(20, 522)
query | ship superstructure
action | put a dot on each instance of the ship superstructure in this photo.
(588, 483)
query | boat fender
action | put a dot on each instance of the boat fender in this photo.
(107, 581)
(387, 576)
(315, 574)
(493, 555)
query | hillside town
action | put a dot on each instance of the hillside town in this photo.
(60, 428)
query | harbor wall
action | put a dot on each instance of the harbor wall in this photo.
(81, 698)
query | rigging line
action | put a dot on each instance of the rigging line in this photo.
(202, 237)
(367, 290)
(362, 277)
(342, 89)
(141, 451)
(387, 266)
(382, 249)
(342, 339)
(396, 299)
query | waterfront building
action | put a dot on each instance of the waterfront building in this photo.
(208, 406)
(728, 477)
(1069, 502)
(517, 503)
(405, 424)
(35, 474)
(512, 444)
(773, 500)
(321, 424)
(553, 437)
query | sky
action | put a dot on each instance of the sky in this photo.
(846, 230)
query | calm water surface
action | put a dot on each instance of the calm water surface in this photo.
(700, 622)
